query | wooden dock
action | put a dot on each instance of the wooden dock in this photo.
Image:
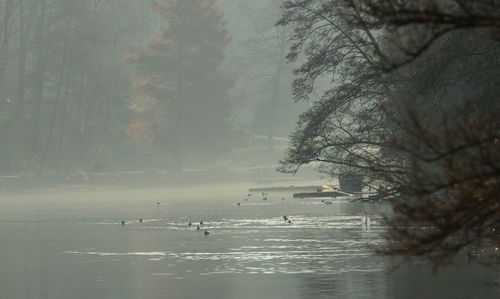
(287, 189)
(326, 194)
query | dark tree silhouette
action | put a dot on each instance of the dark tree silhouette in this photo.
(448, 192)
(413, 106)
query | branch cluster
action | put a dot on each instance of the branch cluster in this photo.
(405, 93)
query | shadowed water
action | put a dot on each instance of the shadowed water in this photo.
(72, 245)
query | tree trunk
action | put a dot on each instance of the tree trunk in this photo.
(5, 33)
(177, 147)
(38, 82)
(58, 95)
(23, 50)
(62, 125)
(26, 10)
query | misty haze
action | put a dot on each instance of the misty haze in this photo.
(249, 149)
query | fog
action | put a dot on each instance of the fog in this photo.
(78, 96)
(243, 149)
(71, 243)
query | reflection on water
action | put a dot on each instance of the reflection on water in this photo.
(335, 244)
(79, 249)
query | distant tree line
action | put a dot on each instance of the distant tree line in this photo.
(64, 86)
(412, 104)
(128, 84)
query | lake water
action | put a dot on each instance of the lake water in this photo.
(71, 244)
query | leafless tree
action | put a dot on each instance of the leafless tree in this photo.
(413, 104)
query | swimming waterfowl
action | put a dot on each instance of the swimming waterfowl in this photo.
(206, 232)
(289, 221)
(285, 218)
(265, 198)
(140, 220)
(190, 223)
(123, 222)
(201, 222)
(238, 203)
(197, 227)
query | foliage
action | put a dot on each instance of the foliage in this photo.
(181, 94)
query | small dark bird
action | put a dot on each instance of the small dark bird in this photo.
(197, 227)
(201, 222)
(158, 203)
(265, 198)
(206, 232)
(249, 194)
(246, 199)
(123, 222)
(190, 223)
(289, 221)
(239, 204)
(140, 220)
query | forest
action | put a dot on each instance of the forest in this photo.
(121, 85)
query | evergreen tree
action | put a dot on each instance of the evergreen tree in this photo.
(180, 93)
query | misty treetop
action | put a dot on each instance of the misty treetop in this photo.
(181, 93)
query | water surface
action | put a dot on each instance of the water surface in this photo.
(72, 245)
